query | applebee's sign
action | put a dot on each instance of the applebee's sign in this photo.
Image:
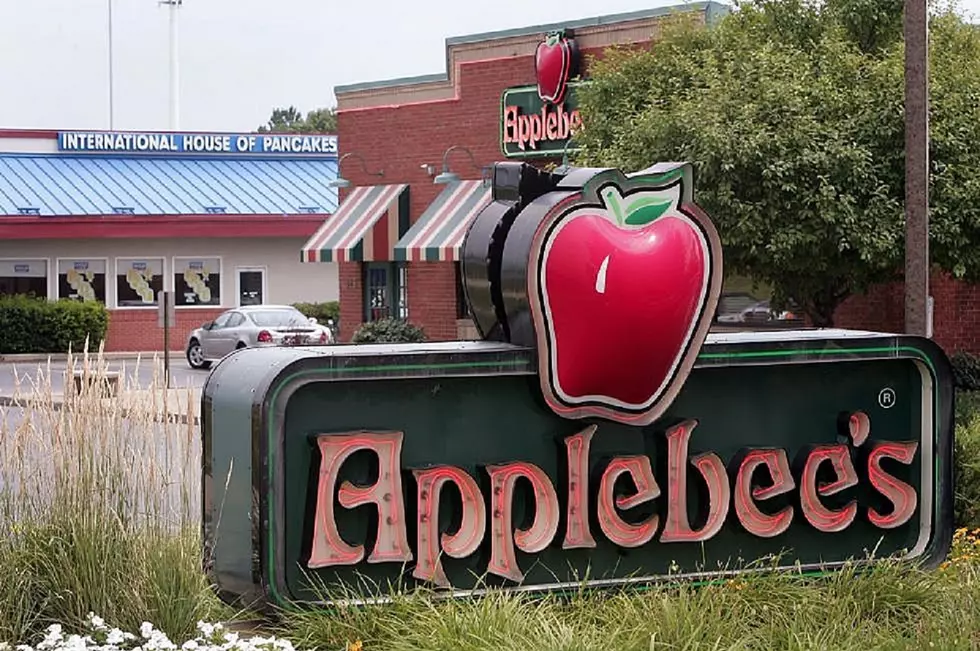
(539, 120)
(598, 433)
(743, 494)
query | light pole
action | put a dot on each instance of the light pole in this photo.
(174, 64)
(111, 102)
(916, 26)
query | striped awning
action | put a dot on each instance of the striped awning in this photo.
(439, 232)
(364, 229)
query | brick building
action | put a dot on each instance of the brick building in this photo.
(119, 217)
(397, 234)
(394, 137)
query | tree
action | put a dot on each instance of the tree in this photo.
(792, 113)
(290, 120)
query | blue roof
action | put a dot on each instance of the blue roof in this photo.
(59, 185)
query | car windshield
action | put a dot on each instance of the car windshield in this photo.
(278, 318)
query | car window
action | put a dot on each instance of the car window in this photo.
(278, 318)
(222, 320)
(236, 320)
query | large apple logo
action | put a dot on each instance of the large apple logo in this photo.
(554, 62)
(623, 281)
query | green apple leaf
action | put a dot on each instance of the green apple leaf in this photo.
(645, 210)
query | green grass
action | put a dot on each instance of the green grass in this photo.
(890, 607)
(98, 517)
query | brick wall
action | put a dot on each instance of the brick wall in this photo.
(137, 330)
(351, 299)
(956, 312)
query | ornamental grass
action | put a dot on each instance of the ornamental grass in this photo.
(99, 504)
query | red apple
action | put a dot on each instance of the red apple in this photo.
(552, 65)
(623, 291)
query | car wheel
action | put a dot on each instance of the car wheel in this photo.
(241, 344)
(195, 356)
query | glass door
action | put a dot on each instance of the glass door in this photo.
(251, 286)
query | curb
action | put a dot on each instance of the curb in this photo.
(62, 357)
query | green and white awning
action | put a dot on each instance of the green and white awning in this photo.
(439, 232)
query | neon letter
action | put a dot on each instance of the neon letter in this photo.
(900, 494)
(617, 530)
(392, 540)
(749, 515)
(818, 515)
(503, 558)
(678, 528)
(473, 521)
(577, 534)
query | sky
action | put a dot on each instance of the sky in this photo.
(238, 59)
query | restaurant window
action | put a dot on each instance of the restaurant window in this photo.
(27, 277)
(462, 306)
(197, 282)
(82, 280)
(385, 290)
(138, 281)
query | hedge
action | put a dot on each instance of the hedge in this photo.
(388, 331)
(966, 371)
(32, 325)
(321, 311)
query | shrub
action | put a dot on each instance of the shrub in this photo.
(966, 462)
(321, 311)
(31, 325)
(388, 331)
(966, 371)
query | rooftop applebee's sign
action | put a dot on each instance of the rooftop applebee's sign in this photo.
(539, 120)
(597, 433)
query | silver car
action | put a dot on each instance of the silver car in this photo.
(253, 325)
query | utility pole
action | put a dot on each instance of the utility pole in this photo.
(174, 64)
(918, 316)
(111, 93)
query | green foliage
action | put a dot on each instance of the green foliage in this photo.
(321, 311)
(966, 458)
(792, 113)
(290, 120)
(31, 325)
(966, 371)
(388, 331)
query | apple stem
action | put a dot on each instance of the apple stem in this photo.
(612, 198)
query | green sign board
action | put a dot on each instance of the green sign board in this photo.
(596, 434)
(441, 440)
(533, 128)
(540, 120)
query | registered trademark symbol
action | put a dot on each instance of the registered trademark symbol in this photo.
(886, 398)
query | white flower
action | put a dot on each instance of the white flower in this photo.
(96, 622)
(115, 637)
(146, 630)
